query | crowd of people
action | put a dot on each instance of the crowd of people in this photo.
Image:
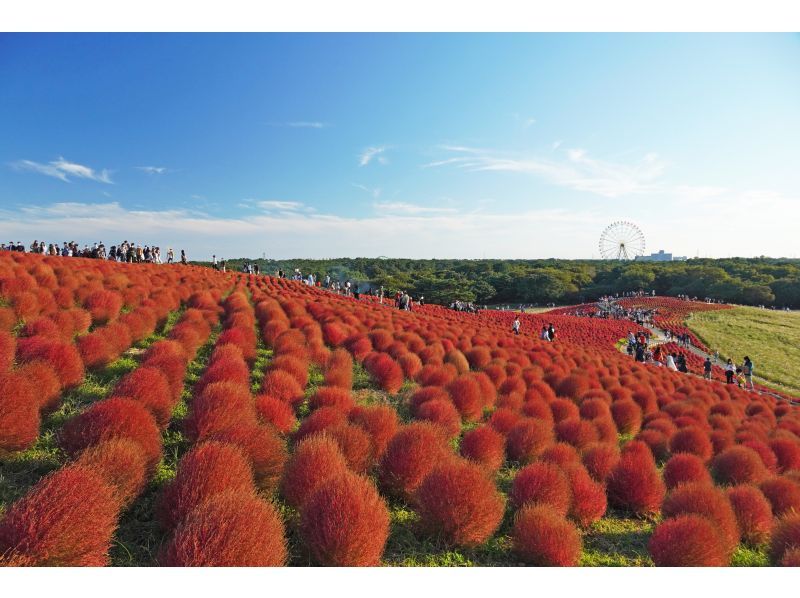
(131, 253)
(466, 306)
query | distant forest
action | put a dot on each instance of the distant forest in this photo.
(756, 281)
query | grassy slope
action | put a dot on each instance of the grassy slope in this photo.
(770, 338)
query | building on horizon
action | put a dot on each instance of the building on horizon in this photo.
(660, 257)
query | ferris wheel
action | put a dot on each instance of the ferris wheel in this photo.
(621, 241)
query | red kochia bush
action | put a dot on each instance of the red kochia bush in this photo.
(411, 454)
(149, 387)
(459, 502)
(62, 356)
(528, 439)
(95, 350)
(355, 444)
(65, 520)
(320, 420)
(687, 541)
(753, 513)
(543, 537)
(275, 412)
(685, 467)
(707, 501)
(627, 415)
(379, 421)
(345, 522)
(562, 454)
(504, 419)
(19, 413)
(783, 494)
(739, 465)
(339, 371)
(8, 345)
(265, 450)
(48, 388)
(331, 396)
(577, 432)
(121, 464)
(589, 501)
(103, 305)
(600, 460)
(485, 446)
(787, 452)
(282, 385)
(785, 537)
(635, 485)
(692, 440)
(425, 394)
(443, 413)
(110, 419)
(230, 529)
(208, 469)
(542, 483)
(219, 407)
(315, 459)
(465, 393)
(385, 370)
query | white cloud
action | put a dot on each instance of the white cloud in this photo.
(152, 169)
(275, 204)
(373, 153)
(525, 121)
(578, 171)
(375, 192)
(63, 169)
(399, 207)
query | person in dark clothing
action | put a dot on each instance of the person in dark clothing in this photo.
(707, 368)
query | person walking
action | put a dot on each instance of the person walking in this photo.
(170, 255)
(747, 372)
(730, 370)
(515, 326)
(551, 333)
(183, 257)
(707, 368)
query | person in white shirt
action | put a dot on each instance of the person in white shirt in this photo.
(671, 363)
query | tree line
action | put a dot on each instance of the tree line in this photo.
(749, 281)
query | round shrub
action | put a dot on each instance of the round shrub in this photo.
(355, 444)
(275, 412)
(692, 440)
(230, 529)
(561, 454)
(656, 441)
(263, 447)
(121, 464)
(791, 558)
(110, 419)
(324, 418)
(66, 520)
(443, 413)
(600, 459)
(345, 522)
(220, 406)
(484, 445)
(528, 439)
(687, 541)
(208, 469)
(785, 537)
(753, 513)
(635, 485)
(331, 396)
(542, 483)
(683, 468)
(739, 465)
(783, 494)
(149, 387)
(62, 356)
(627, 416)
(315, 459)
(19, 413)
(787, 452)
(410, 456)
(577, 432)
(466, 395)
(386, 372)
(709, 502)
(589, 501)
(543, 537)
(339, 371)
(283, 386)
(425, 394)
(767, 456)
(379, 421)
(503, 419)
(460, 503)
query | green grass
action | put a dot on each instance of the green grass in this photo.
(770, 338)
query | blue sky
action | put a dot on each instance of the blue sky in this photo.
(402, 145)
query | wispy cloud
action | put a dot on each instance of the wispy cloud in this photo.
(375, 192)
(275, 204)
(301, 124)
(152, 169)
(373, 153)
(575, 170)
(400, 207)
(525, 121)
(63, 170)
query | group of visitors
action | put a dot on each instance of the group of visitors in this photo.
(131, 253)
(683, 339)
(741, 375)
(467, 306)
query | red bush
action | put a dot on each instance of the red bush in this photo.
(787, 453)
(339, 371)
(208, 469)
(219, 407)
(121, 464)
(542, 483)
(386, 372)
(19, 413)
(635, 485)
(739, 465)
(275, 412)
(692, 440)
(443, 413)
(785, 537)
(282, 385)
(63, 357)
(562, 409)
(466, 395)
(791, 558)
(110, 419)
(458, 502)
(315, 459)
(561, 454)
(379, 421)
(600, 460)
(503, 419)
(543, 537)
(707, 501)
(589, 501)
(66, 520)
(224, 369)
(8, 346)
(783, 494)
(331, 396)
(436, 375)
(410, 456)
(149, 387)
(345, 522)
(484, 445)
(355, 444)
(411, 364)
(577, 432)
(767, 456)
(263, 447)
(322, 419)
(688, 541)
(528, 439)
(230, 529)
(103, 305)
(627, 416)
(297, 367)
(427, 393)
(753, 513)
(683, 468)
(48, 387)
